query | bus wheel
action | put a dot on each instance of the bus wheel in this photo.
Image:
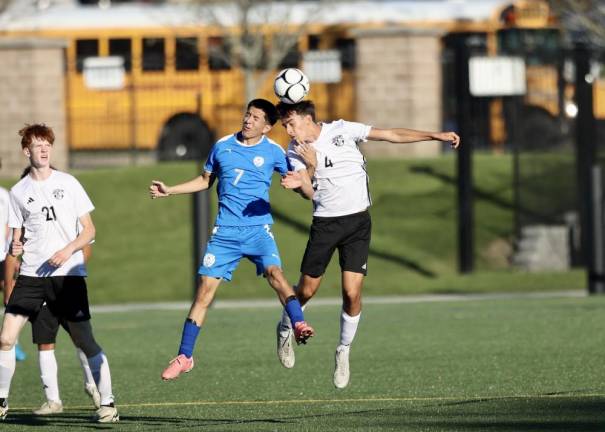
(184, 137)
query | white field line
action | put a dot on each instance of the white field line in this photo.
(273, 303)
(326, 401)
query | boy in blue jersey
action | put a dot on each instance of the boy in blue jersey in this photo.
(243, 163)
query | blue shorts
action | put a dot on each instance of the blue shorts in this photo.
(229, 244)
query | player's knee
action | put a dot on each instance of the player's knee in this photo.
(7, 341)
(204, 296)
(46, 347)
(274, 273)
(305, 292)
(82, 337)
(351, 299)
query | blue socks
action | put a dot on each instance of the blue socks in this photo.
(190, 332)
(294, 310)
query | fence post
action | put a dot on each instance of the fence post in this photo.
(464, 159)
(201, 227)
(597, 266)
(587, 175)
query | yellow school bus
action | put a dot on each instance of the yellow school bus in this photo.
(177, 90)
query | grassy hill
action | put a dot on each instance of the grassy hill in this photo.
(143, 250)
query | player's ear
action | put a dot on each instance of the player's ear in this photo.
(26, 151)
(266, 128)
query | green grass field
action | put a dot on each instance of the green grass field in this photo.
(498, 365)
(143, 250)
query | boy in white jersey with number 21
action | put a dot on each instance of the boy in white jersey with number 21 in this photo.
(48, 207)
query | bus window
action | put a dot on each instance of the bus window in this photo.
(187, 54)
(122, 48)
(313, 42)
(85, 48)
(154, 58)
(292, 58)
(218, 53)
(346, 46)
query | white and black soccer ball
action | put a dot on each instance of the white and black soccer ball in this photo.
(291, 85)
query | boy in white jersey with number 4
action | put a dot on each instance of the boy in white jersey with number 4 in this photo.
(48, 207)
(330, 170)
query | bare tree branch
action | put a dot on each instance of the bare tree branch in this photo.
(4, 4)
(244, 25)
(583, 20)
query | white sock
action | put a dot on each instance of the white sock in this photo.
(48, 374)
(348, 327)
(99, 366)
(285, 319)
(7, 370)
(88, 379)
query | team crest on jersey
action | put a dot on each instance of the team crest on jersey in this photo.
(58, 193)
(338, 141)
(209, 260)
(258, 161)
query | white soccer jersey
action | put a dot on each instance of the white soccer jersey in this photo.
(49, 211)
(341, 180)
(3, 223)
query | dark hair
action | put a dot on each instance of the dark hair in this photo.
(302, 108)
(267, 107)
(38, 130)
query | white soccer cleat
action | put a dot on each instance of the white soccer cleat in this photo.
(49, 408)
(341, 369)
(107, 414)
(285, 349)
(92, 391)
(3, 408)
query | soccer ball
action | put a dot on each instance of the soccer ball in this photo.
(291, 85)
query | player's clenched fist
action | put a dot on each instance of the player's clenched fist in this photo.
(452, 137)
(16, 248)
(157, 189)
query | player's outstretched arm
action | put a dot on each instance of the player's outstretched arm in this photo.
(158, 189)
(403, 136)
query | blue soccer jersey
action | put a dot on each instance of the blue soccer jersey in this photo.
(244, 178)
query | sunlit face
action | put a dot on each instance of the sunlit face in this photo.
(255, 123)
(39, 152)
(298, 127)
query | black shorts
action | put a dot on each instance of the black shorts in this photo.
(66, 297)
(350, 234)
(45, 326)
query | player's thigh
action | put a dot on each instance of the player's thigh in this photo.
(70, 298)
(28, 295)
(45, 326)
(354, 248)
(223, 253)
(324, 236)
(260, 248)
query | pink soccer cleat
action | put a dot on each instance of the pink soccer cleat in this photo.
(178, 365)
(302, 332)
